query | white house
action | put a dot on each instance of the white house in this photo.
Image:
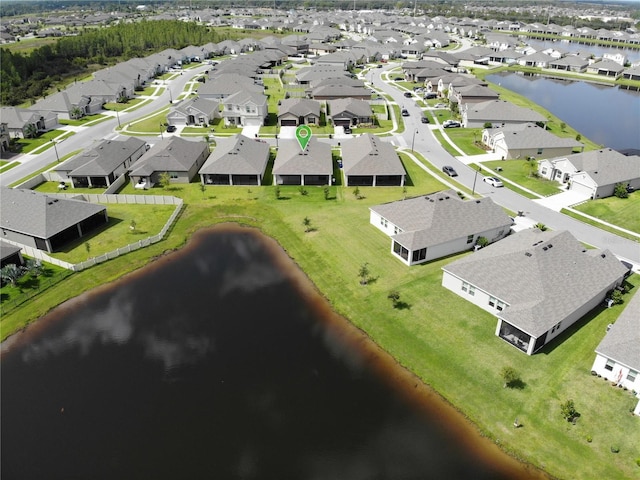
(433, 226)
(618, 354)
(536, 283)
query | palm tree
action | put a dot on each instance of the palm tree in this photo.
(30, 131)
(10, 273)
(34, 267)
(363, 273)
(76, 112)
(307, 224)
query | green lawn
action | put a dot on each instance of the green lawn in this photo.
(131, 104)
(28, 145)
(8, 166)
(440, 137)
(80, 122)
(151, 124)
(465, 139)
(623, 212)
(518, 171)
(45, 168)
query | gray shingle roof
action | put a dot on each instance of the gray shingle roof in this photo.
(102, 159)
(173, 154)
(542, 276)
(368, 155)
(237, 155)
(622, 341)
(441, 217)
(314, 160)
(358, 108)
(606, 166)
(300, 107)
(529, 135)
(40, 215)
(501, 110)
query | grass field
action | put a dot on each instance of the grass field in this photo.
(623, 212)
(519, 171)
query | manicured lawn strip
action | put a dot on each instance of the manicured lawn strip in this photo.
(28, 145)
(130, 104)
(81, 122)
(518, 171)
(149, 125)
(465, 139)
(595, 223)
(623, 212)
(446, 341)
(508, 185)
(45, 168)
(8, 166)
(440, 137)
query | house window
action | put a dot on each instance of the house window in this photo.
(539, 151)
(396, 230)
(609, 365)
(544, 170)
(419, 254)
(472, 290)
(465, 286)
(631, 376)
(492, 301)
(470, 238)
(500, 306)
(383, 222)
(556, 327)
(173, 174)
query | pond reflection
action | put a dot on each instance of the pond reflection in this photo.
(212, 363)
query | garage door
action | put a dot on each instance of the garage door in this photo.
(288, 123)
(342, 122)
(581, 188)
(252, 122)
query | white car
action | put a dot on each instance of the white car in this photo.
(493, 181)
(451, 124)
(440, 105)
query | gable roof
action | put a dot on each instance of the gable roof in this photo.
(501, 110)
(605, 166)
(300, 107)
(313, 160)
(622, 341)
(172, 154)
(237, 155)
(103, 159)
(358, 108)
(542, 276)
(530, 135)
(39, 215)
(369, 155)
(440, 217)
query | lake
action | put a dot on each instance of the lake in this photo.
(222, 361)
(609, 116)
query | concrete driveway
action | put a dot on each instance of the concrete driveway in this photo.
(563, 200)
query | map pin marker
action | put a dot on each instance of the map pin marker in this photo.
(303, 134)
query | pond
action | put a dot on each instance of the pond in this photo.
(222, 361)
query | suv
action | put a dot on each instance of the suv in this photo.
(405, 112)
(171, 128)
(424, 120)
(408, 94)
(449, 171)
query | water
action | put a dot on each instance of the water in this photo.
(220, 361)
(609, 116)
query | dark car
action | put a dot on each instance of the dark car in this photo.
(347, 130)
(424, 120)
(171, 128)
(449, 171)
(405, 112)
(408, 94)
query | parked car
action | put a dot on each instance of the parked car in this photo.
(347, 130)
(379, 66)
(408, 94)
(424, 119)
(449, 171)
(429, 95)
(405, 112)
(440, 105)
(493, 181)
(451, 124)
(171, 128)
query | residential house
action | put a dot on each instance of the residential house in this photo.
(527, 140)
(570, 63)
(538, 284)
(181, 159)
(23, 122)
(295, 166)
(194, 111)
(345, 112)
(309, 75)
(471, 94)
(339, 89)
(369, 161)
(10, 254)
(606, 68)
(594, 173)
(436, 225)
(497, 113)
(538, 59)
(245, 108)
(237, 160)
(101, 165)
(70, 104)
(618, 354)
(298, 111)
(221, 86)
(46, 222)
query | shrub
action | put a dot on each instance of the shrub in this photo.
(568, 410)
(589, 438)
(615, 449)
(620, 191)
(482, 242)
(510, 376)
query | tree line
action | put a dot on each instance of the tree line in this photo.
(25, 76)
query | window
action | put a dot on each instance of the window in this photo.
(500, 306)
(472, 290)
(544, 170)
(609, 365)
(492, 301)
(539, 151)
(470, 238)
(631, 376)
(465, 286)
(556, 327)
(396, 230)
(173, 174)
(418, 255)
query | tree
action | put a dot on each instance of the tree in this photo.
(307, 224)
(34, 267)
(11, 273)
(563, 126)
(568, 410)
(326, 192)
(132, 225)
(394, 296)
(363, 273)
(277, 192)
(532, 166)
(76, 112)
(164, 180)
(30, 131)
(540, 226)
(510, 376)
(620, 190)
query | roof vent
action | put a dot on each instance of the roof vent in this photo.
(603, 255)
(477, 201)
(545, 248)
(528, 254)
